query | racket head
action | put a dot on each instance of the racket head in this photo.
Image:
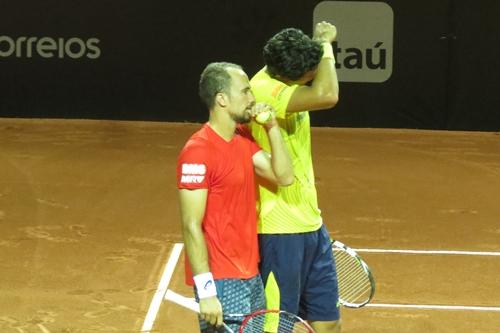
(274, 321)
(355, 279)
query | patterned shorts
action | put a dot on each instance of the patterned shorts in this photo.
(236, 296)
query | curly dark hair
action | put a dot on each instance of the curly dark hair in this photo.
(213, 80)
(291, 53)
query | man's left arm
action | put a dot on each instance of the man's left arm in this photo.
(276, 167)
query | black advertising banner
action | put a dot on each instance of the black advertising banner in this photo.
(91, 59)
(401, 64)
(475, 65)
(390, 63)
(136, 60)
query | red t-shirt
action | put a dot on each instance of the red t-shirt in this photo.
(226, 169)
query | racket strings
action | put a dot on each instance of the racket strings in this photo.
(354, 283)
(274, 322)
(357, 287)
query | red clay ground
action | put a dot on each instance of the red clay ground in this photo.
(88, 217)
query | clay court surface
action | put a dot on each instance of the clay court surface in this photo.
(89, 218)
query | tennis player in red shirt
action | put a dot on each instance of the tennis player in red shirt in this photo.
(217, 193)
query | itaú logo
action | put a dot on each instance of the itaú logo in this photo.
(47, 47)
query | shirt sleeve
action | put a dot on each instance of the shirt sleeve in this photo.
(193, 168)
(280, 97)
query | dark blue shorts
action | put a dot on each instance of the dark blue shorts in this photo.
(299, 274)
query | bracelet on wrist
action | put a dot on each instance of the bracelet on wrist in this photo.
(327, 51)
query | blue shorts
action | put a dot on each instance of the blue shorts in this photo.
(299, 275)
(237, 296)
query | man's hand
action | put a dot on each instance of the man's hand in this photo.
(267, 111)
(325, 32)
(211, 310)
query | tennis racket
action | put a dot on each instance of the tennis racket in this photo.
(272, 321)
(355, 280)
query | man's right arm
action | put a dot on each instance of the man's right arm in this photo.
(323, 93)
(192, 205)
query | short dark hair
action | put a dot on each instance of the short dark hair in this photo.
(291, 53)
(213, 80)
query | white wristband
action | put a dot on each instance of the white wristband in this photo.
(327, 51)
(205, 285)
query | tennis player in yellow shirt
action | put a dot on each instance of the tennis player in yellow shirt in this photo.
(296, 257)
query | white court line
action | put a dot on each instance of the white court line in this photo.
(186, 300)
(177, 249)
(465, 253)
(436, 307)
(154, 307)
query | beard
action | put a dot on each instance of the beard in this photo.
(241, 118)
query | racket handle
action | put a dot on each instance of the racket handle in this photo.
(188, 303)
(229, 330)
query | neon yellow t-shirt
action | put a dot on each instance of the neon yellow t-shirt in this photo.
(294, 208)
